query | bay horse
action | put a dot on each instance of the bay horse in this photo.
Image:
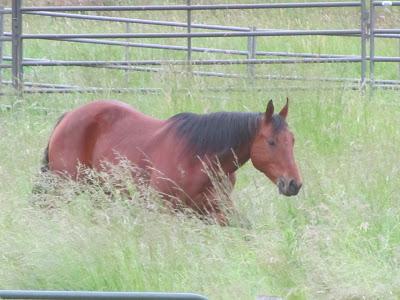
(172, 153)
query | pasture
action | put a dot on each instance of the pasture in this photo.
(338, 239)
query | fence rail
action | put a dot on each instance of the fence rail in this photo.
(88, 295)
(367, 33)
(56, 36)
(192, 62)
(195, 7)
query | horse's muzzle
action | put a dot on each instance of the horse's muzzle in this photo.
(288, 187)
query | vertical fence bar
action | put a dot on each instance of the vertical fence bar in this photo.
(16, 24)
(189, 30)
(251, 53)
(127, 50)
(364, 33)
(399, 56)
(372, 43)
(1, 42)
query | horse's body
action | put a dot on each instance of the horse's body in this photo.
(171, 154)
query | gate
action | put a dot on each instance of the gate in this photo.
(366, 58)
(64, 295)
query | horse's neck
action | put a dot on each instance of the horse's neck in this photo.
(235, 159)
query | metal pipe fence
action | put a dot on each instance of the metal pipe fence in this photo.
(196, 49)
(136, 21)
(380, 33)
(367, 33)
(94, 295)
(192, 62)
(196, 7)
(57, 36)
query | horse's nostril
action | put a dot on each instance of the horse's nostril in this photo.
(281, 183)
(293, 187)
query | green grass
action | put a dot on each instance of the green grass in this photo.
(338, 239)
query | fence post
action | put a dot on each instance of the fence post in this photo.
(127, 56)
(399, 56)
(251, 53)
(16, 23)
(364, 35)
(1, 42)
(189, 39)
(372, 44)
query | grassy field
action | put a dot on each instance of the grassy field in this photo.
(338, 239)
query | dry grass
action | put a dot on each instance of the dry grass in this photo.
(338, 239)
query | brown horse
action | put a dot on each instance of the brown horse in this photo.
(172, 154)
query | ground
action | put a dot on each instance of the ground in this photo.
(339, 238)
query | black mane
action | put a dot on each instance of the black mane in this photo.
(219, 132)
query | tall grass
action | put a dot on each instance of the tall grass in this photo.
(338, 239)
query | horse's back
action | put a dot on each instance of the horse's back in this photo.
(98, 131)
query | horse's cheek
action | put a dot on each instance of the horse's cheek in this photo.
(259, 157)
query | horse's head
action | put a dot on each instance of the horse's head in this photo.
(272, 151)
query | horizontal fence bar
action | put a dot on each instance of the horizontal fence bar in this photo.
(49, 90)
(386, 3)
(343, 32)
(387, 87)
(267, 77)
(231, 75)
(57, 88)
(156, 46)
(193, 7)
(305, 55)
(138, 21)
(155, 91)
(40, 85)
(21, 294)
(387, 31)
(386, 59)
(196, 49)
(199, 49)
(391, 36)
(192, 62)
(237, 75)
(5, 11)
(9, 58)
(387, 82)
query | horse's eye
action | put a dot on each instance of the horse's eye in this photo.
(271, 142)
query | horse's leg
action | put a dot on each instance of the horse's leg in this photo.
(210, 202)
(205, 204)
(225, 207)
(227, 191)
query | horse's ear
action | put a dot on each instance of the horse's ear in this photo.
(283, 113)
(270, 111)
